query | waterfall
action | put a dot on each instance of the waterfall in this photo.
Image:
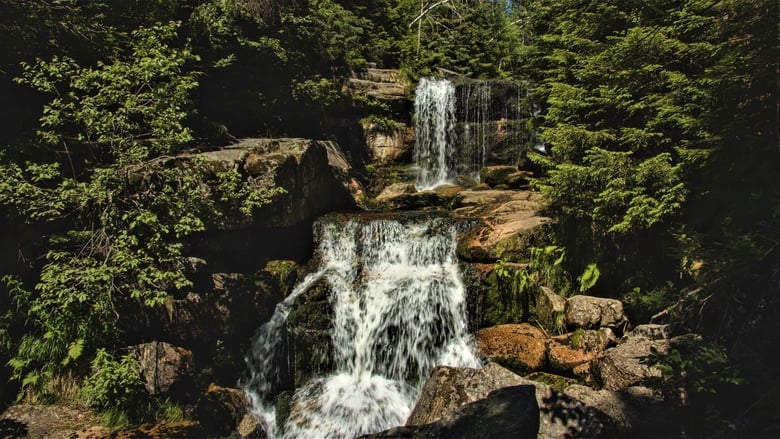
(434, 130)
(399, 310)
(461, 128)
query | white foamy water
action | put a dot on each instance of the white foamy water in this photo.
(399, 310)
(434, 131)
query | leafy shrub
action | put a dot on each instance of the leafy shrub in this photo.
(114, 388)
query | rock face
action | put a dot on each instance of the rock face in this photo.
(511, 223)
(219, 304)
(384, 85)
(450, 388)
(315, 175)
(388, 145)
(594, 312)
(520, 347)
(162, 365)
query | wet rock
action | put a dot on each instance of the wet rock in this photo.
(309, 329)
(162, 366)
(520, 347)
(251, 428)
(594, 312)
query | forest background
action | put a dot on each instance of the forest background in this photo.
(661, 118)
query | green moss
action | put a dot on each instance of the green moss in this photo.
(557, 382)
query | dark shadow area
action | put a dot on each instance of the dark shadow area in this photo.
(580, 421)
(246, 250)
(12, 429)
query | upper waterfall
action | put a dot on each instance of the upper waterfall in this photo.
(462, 126)
(398, 310)
(434, 130)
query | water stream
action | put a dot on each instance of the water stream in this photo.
(434, 132)
(458, 127)
(399, 310)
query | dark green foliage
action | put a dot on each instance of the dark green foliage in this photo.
(661, 119)
(474, 38)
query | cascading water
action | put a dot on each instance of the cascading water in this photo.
(399, 310)
(461, 128)
(434, 130)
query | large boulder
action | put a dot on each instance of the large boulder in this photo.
(626, 364)
(508, 412)
(449, 389)
(594, 312)
(404, 196)
(496, 175)
(162, 366)
(315, 175)
(520, 347)
(510, 223)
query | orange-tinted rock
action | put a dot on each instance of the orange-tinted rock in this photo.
(564, 358)
(516, 346)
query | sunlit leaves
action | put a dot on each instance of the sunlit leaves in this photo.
(125, 109)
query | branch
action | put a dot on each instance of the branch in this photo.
(426, 10)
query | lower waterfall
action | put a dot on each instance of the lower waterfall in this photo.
(399, 310)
